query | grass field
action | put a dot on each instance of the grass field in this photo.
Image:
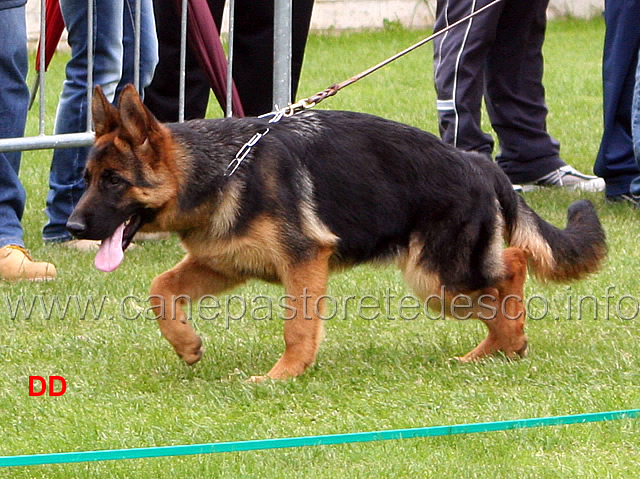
(126, 387)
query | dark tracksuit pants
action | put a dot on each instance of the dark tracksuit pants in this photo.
(496, 55)
(615, 161)
(252, 63)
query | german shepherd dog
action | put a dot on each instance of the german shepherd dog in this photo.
(320, 191)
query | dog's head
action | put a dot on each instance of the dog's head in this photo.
(127, 178)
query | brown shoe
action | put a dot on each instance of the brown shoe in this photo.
(17, 265)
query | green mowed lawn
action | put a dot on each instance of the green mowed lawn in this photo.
(126, 387)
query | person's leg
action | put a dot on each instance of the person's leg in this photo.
(15, 262)
(615, 161)
(253, 55)
(515, 93)
(459, 65)
(635, 114)
(66, 184)
(161, 96)
(14, 100)
(148, 45)
(302, 10)
(253, 59)
(634, 188)
(515, 100)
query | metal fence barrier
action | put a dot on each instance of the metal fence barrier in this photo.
(281, 80)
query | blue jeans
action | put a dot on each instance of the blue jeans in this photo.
(635, 128)
(113, 38)
(615, 161)
(14, 100)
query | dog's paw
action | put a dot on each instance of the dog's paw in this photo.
(522, 352)
(515, 349)
(190, 351)
(193, 357)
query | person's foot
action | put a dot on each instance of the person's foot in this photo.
(17, 265)
(85, 245)
(142, 237)
(567, 177)
(81, 244)
(629, 198)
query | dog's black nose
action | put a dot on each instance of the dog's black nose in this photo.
(76, 228)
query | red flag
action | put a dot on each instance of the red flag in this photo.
(54, 26)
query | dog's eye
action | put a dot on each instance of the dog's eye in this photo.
(111, 178)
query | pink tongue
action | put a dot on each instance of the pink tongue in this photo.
(110, 254)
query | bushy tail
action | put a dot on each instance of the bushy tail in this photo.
(560, 255)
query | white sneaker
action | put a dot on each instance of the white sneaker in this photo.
(567, 177)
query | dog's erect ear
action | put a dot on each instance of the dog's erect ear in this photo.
(138, 123)
(105, 115)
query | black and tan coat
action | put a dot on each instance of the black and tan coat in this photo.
(323, 190)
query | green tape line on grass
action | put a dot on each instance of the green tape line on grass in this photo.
(262, 444)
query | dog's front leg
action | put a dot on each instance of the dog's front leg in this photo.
(304, 284)
(171, 291)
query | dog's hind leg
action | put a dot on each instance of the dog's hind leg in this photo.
(304, 283)
(186, 282)
(501, 308)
